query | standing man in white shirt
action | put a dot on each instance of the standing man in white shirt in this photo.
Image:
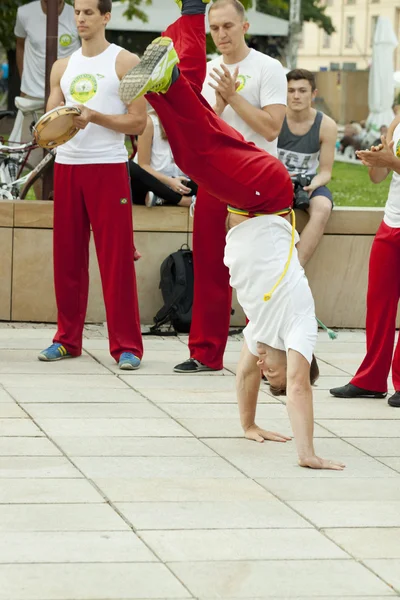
(248, 90)
(30, 32)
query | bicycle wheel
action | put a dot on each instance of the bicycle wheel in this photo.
(36, 175)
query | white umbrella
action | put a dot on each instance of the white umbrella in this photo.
(381, 76)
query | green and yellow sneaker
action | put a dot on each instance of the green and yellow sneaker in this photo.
(153, 73)
(179, 3)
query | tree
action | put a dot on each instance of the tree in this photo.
(312, 10)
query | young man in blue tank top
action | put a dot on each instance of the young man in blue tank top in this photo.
(371, 379)
(306, 146)
(91, 189)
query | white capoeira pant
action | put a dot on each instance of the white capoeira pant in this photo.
(256, 253)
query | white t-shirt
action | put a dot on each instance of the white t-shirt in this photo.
(263, 82)
(392, 208)
(31, 25)
(256, 253)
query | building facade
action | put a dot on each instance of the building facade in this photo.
(350, 47)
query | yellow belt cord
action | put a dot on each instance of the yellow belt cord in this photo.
(238, 211)
(285, 270)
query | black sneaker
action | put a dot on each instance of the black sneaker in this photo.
(191, 365)
(394, 400)
(352, 391)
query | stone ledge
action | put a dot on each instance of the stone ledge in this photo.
(39, 215)
(337, 272)
(6, 214)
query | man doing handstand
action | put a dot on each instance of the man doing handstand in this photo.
(260, 252)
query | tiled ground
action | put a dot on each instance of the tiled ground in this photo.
(139, 486)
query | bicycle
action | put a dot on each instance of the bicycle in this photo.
(16, 175)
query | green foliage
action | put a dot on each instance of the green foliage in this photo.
(311, 10)
(8, 12)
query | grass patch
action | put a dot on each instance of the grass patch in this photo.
(351, 186)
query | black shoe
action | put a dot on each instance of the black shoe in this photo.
(394, 400)
(191, 365)
(352, 391)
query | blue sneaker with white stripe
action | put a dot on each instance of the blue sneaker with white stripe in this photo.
(129, 362)
(54, 352)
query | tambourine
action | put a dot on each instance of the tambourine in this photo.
(56, 127)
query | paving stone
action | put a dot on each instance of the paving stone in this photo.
(211, 515)
(132, 446)
(279, 579)
(178, 489)
(242, 544)
(89, 582)
(367, 542)
(42, 491)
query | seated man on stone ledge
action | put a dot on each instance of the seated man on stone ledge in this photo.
(260, 246)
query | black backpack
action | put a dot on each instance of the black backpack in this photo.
(176, 285)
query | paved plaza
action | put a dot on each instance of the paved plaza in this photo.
(122, 486)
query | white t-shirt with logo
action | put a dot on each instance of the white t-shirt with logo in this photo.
(262, 83)
(256, 252)
(392, 208)
(31, 25)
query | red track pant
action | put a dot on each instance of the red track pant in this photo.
(97, 195)
(227, 168)
(382, 302)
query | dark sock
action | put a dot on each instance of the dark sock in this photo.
(193, 7)
(175, 74)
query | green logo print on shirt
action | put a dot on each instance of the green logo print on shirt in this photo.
(83, 88)
(65, 40)
(242, 79)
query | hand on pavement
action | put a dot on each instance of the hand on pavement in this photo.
(257, 434)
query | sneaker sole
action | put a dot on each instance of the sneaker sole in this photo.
(128, 367)
(196, 372)
(137, 81)
(368, 396)
(43, 358)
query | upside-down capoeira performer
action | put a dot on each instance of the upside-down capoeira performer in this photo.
(260, 253)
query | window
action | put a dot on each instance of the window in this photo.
(349, 32)
(349, 66)
(375, 1)
(349, 2)
(326, 40)
(328, 2)
(374, 21)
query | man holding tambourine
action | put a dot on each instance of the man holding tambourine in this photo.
(91, 187)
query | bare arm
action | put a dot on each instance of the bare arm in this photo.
(328, 138)
(145, 143)
(20, 48)
(300, 404)
(247, 387)
(56, 96)
(131, 123)
(301, 413)
(265, 121)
